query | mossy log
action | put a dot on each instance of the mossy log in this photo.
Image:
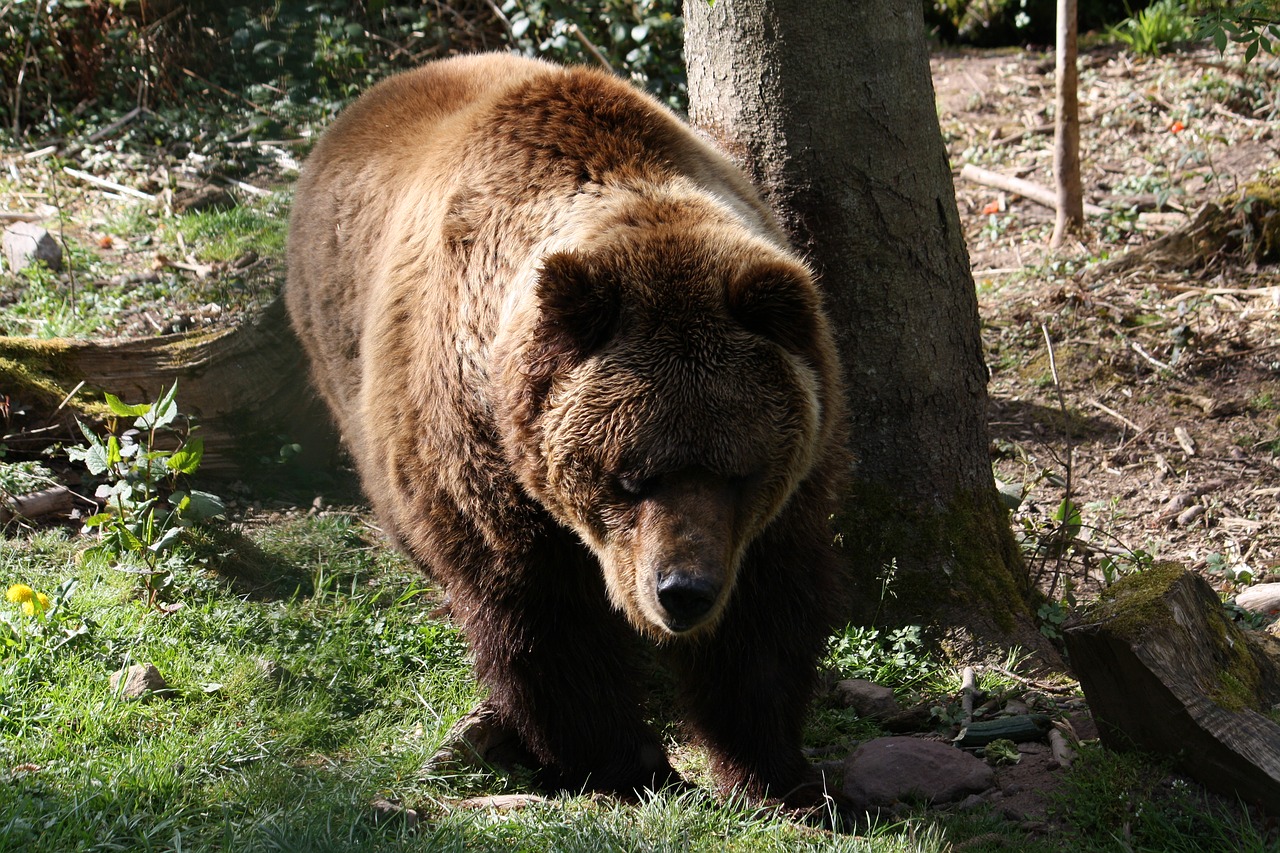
(1243, 227)
(1165, 671)
(245, 386)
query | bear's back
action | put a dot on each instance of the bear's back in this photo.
(433, 174)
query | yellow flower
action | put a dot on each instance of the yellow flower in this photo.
(29, 606)
(20, 592)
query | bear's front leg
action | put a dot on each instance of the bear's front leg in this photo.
(747, 686)
(560, 666)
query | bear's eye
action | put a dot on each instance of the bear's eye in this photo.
(633, 487)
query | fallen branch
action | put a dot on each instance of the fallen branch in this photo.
(1027, 189)
(1101, 407)
(18, 216)
(102, 133)
(109, 185)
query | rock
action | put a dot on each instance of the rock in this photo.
(273, 671)
(1261, 598)
(869, 699)
(25, 243)
(888, 770)
(385, 810)
(141, 681)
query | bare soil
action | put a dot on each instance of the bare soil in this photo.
(1149, 397)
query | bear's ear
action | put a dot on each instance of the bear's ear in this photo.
(777, 301)
(579, 310)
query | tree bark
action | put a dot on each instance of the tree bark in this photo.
(1066, 129)
(829, 104)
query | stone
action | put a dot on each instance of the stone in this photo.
(869, 699)
(386, 810)
(141, 681)
(25, 243)
(273, 671)
(1260, 598)
(888, 770)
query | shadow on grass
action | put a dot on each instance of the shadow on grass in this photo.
(249, 569)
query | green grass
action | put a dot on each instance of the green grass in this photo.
(224, 235)
(108, 284)
(310, 678)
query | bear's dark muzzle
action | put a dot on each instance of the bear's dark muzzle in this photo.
(686, 598)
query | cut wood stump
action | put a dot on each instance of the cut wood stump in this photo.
(1165, 671)
(246, 387)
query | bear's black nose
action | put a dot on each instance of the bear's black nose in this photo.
(686, 598)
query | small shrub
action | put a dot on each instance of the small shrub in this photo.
(145, 512)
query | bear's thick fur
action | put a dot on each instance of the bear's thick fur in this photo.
(590, 389)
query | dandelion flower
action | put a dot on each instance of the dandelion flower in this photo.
(29, 606)
(20, 593)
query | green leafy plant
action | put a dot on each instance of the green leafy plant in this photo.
(897, 658)
(145, 511)
(641, 38)
(1252, 23)
(1154, 29)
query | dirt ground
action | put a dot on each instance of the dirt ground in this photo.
(1150, 397)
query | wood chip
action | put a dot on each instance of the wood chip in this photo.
(1185, 441)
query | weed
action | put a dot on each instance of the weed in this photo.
(145, 512)
(899, 658)
(20, 478)
(1156, 28)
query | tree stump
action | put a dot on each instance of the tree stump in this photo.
(1165, 671)
(246, 387)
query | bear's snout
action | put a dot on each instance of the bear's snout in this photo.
(686, 598)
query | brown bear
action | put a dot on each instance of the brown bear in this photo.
(589, 388)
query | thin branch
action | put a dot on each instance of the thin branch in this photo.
(1027, 189)
(590, 48)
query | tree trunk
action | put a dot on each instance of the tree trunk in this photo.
(830, 105)
(246, 387)
(1066, 129)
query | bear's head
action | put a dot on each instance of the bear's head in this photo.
(664, 397)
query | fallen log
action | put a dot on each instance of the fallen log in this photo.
(35, 504)
(1165, 671)
(246, 386)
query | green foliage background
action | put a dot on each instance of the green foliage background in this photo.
(79, 62)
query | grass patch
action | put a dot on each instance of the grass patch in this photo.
(1115, 801)
(124, 267)
(310, 677)
(225, 235)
